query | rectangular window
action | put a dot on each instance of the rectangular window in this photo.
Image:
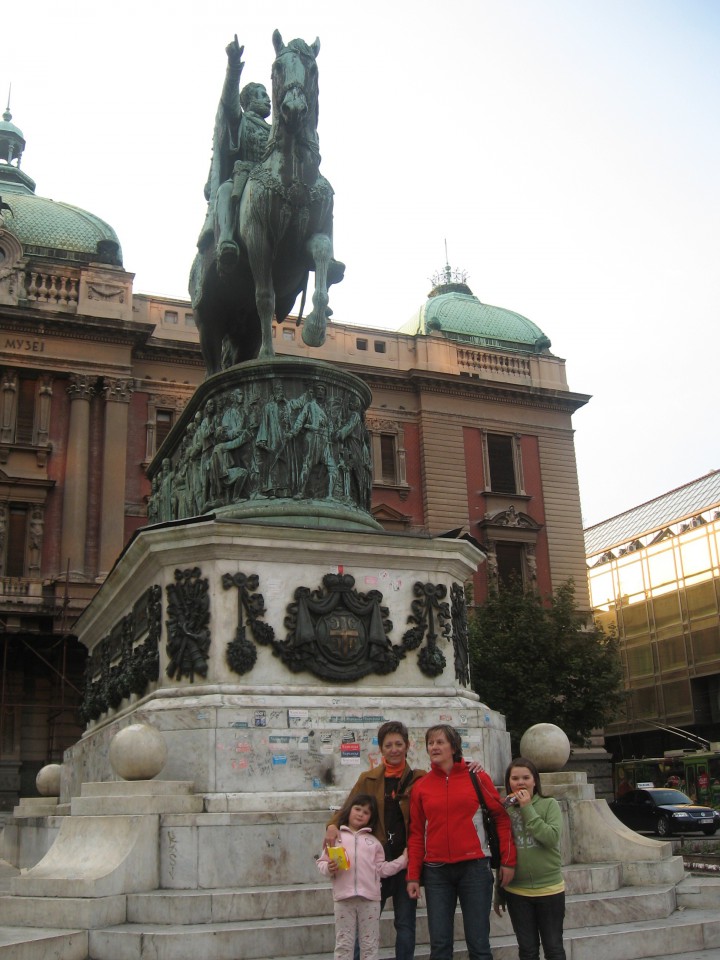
(502, 463)
(361, 344)
(163, 424)
(171, 316)
(27, 390)
(510, 564)
(189, 319)
(16, 540)
(379, 346)
(387, 457)
(288, 333)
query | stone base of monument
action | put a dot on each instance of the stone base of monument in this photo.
(268, 657)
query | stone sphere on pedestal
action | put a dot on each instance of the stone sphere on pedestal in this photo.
(547, 746)
(48, 780)
(138, 752)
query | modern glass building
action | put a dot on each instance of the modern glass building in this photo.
(654, 576)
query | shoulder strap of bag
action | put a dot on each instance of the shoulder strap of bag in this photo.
(478, 791)
(403, 785)
(490, 828)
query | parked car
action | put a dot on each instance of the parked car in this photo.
(664, 811)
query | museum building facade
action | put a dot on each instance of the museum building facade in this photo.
(470, 426)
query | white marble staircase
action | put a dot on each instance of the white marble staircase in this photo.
(113, 886)
(604, 921)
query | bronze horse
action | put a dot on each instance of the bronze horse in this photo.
(284, 229)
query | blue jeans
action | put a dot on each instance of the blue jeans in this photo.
(470, 882)
(404, 910)
(535, 919)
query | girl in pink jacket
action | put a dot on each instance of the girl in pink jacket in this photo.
(356, 888)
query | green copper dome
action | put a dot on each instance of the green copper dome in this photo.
(54, 229)
(48, 228)
(453, 311)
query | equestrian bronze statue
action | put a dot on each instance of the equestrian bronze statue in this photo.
(270, 212)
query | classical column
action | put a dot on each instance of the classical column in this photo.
(117, 395)
(75, 497)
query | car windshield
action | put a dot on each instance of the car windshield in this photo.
(670, 796)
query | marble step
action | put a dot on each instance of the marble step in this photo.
(180, 907)
(273, 936)
(710, 953)
(206, 906)
(682, 932)
(187, 907)
(27, 943)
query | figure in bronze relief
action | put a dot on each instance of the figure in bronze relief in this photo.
(315, 425)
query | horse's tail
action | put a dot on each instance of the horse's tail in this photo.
(304, 297)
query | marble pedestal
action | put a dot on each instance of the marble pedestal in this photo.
(286, 716)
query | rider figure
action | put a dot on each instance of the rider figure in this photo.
(241, 135)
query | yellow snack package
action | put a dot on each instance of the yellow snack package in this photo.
(339, 856)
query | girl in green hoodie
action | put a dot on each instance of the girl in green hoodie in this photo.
(536, 895)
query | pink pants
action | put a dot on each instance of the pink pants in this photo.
(357, 913)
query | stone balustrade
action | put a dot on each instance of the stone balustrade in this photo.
(13, 587)
(54, 288)
(489, 362)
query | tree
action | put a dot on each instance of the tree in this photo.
(543, 664)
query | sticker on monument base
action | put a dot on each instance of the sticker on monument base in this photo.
(350, 753)
(317, 785)
(260, 718)
(298, 718)
(279, 760)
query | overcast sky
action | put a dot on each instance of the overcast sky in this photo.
(568, 151)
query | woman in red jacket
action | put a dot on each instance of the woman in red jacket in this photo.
(445, 849)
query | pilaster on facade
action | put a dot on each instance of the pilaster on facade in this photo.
(8, 414)
(81, 389)
(117, 394)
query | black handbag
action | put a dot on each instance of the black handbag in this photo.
(489, 824)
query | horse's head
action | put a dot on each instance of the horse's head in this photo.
(295, 82)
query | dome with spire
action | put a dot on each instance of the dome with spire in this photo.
(47, 228)
(453, 311)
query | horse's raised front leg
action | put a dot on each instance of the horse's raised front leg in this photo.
(313, 331)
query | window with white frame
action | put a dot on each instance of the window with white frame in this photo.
(502, 461)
